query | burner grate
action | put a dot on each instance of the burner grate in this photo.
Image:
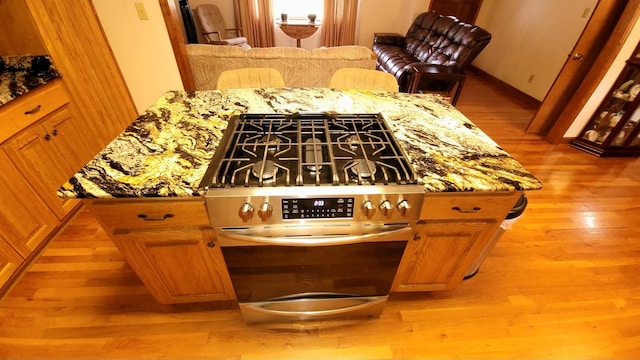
(308, 149)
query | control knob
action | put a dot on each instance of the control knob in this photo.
(386, 208)
(246, 212)
(368, 209)
(404, 207)
(265, 211)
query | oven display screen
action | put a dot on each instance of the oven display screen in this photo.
(317, 208)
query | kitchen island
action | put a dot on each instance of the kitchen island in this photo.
(144, 187)
(166, 151)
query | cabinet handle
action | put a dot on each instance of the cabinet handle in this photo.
(54, 132)
(146, 217)
(47, 137)
(33, 111)
(466, 211)
(211, 244)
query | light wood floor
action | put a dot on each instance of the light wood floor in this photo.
(564, 282)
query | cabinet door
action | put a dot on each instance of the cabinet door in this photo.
(9, 261)
(613, 129)
(43, 165)
(25, 221)
(177, 265)
(441, 253)
(68, 139)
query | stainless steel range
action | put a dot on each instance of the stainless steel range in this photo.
(313, 212)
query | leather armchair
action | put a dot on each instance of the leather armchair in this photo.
(433, 55)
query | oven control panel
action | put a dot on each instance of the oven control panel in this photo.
(268, 206)
(317, 208)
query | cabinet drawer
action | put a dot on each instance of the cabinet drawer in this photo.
(156, 213)
(31, 107)
(467, 206)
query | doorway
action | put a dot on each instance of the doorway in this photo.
(465, 10)
(563, 94)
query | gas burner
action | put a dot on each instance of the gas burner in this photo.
(313, 155)
(268, 173)
(309, 149)
(272, 142)
(354, 142)
(362, 168)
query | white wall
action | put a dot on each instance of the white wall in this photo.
(605, 85)
(141, 47)
(386, 16)
(146, 59)
(530, 40)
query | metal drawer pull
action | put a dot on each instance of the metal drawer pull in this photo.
(146, 217)
(33, 111)
(466, 211)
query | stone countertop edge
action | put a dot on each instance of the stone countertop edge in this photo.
(166, 150)
(23, 73)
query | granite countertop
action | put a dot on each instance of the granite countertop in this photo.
(166, 150)
(20, 74)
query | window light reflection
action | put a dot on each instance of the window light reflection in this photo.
(297, 9)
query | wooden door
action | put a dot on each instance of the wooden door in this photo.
(441, 254)
(37, 157)
(25, 221)
(9, 261)
(68, 138)
(177, 265)
(598, 30)
(464, 10)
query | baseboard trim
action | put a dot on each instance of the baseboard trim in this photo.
(527, 100)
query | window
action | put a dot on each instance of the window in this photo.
(298, 9)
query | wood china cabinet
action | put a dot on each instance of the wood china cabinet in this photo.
(613, 130)
(50, 132)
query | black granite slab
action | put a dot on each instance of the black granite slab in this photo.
(20, 74)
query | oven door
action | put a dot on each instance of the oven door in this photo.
(302, 272)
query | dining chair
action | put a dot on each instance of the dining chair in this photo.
(353, 78)
(249, 78)
(214, 28)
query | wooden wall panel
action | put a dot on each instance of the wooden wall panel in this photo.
(74, 37)
(19, 33)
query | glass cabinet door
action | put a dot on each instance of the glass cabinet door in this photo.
(613, 130)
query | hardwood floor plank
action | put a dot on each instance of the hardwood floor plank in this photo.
(561, 283)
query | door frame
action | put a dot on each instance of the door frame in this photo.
(173, 22)
(566, 99)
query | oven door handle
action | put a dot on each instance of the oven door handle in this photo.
(310, 309)
(323, 240)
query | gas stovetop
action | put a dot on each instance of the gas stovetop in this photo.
(276, 150)
(293, 168)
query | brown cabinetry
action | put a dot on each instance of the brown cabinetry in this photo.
(613, 130)
(91, 93)
(25, 221)
(452, 232)
(9, 261)
(45, 151)
(170, 246)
